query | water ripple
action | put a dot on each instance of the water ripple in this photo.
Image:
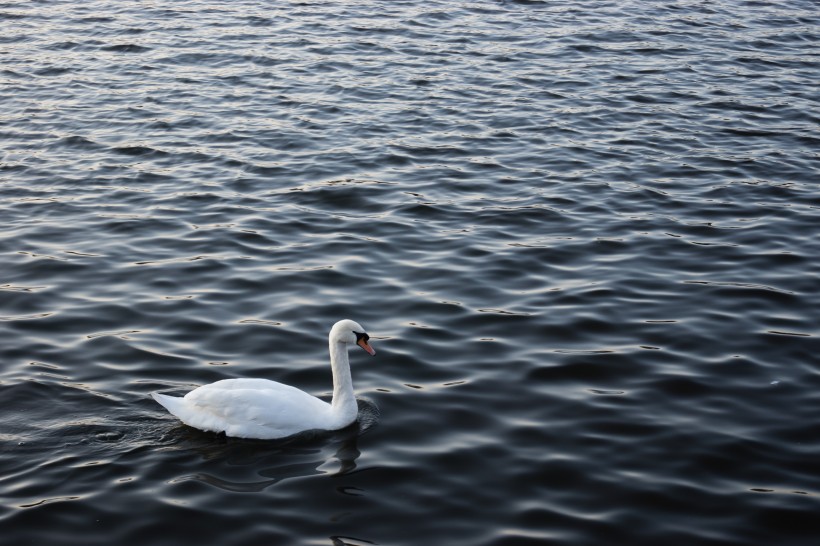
(579, 234)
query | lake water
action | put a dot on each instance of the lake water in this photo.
(583, 237)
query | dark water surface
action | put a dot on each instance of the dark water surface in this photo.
(584, 237)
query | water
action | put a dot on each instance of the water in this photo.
(582, 236)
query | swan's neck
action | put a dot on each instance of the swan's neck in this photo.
(344, 401)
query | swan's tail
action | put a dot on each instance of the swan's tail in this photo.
(171, 403)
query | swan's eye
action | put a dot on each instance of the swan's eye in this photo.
(361, 336)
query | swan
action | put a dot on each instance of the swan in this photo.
(265, 410)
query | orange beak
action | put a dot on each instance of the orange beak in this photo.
(366, 346)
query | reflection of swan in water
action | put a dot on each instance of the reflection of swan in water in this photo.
(339, 541)
(263, 409)
(306, 454)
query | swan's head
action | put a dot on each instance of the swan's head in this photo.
(348, 331)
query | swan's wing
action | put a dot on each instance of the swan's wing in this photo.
(253, 408)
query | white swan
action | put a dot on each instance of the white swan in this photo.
(263, 409)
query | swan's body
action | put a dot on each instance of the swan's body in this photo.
(263, 409)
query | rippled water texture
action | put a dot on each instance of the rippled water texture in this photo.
(583, 236)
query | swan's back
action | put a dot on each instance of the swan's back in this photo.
(250, 408)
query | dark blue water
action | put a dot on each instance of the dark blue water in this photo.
(583, 237)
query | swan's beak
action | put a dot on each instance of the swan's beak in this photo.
(365, 345)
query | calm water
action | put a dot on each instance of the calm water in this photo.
(584, 237)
